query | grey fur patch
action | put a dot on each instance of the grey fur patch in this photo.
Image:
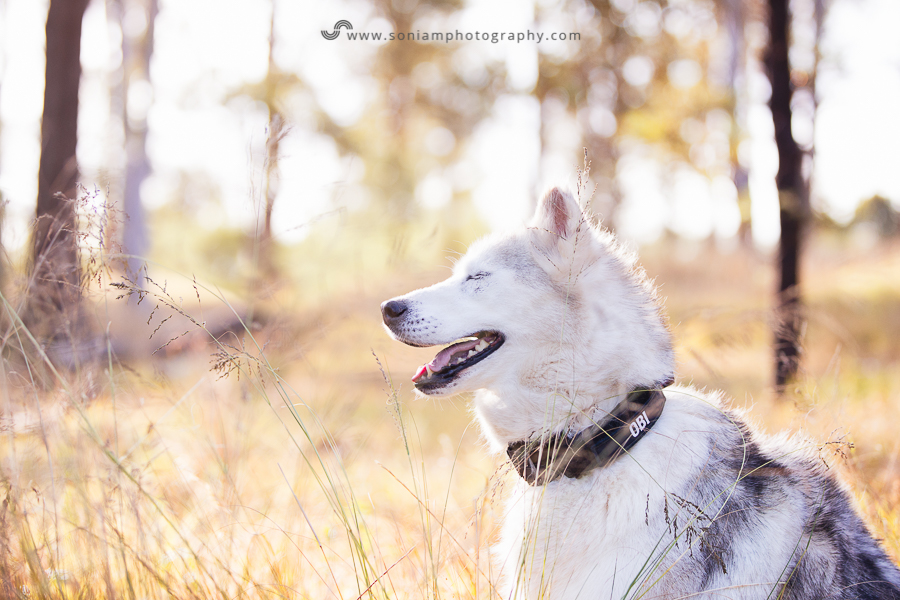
(513, 255)
(741, 487)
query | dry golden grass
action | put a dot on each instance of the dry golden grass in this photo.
(312, 472)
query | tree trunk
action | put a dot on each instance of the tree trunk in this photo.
(136, 53)
(273, 142)
(55, 277)
(734, 15)
(276, 131)
(793, 198)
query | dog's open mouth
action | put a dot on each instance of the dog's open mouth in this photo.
(453, 359)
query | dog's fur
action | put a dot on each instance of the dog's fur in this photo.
(701, 507)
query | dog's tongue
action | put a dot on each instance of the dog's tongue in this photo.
(443, 357)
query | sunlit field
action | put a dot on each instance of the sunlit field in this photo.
(203, 206)
(272, 445)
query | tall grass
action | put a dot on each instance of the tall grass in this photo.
(220, 480)
(286, 460)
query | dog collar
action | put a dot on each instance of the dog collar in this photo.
(547, 459)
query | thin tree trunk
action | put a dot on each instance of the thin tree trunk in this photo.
(55, 271)
(734, 15)
(276, 132)
(793, 199)
(136, 53)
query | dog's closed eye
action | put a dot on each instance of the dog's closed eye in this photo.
(478, 275)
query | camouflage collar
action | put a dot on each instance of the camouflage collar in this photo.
(546, 459)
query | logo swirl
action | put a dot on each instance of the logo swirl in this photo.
(331, 35)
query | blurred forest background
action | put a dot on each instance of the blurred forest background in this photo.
(204, 204)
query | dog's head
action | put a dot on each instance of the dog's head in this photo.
(553, 308)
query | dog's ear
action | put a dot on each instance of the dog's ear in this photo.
(564, 236)
(558, 213)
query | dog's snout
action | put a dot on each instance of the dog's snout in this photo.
(393, 310)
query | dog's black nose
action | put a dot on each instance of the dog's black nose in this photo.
(392, 310)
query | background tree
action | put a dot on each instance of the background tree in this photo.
(734, 16)
(793, 198)
(138, 18)
(276, 84)
(643, 74)
(422, 89)
(55, 276)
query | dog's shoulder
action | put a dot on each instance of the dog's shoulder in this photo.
(703, 437)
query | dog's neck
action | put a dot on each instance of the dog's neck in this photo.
(547, 458)
(519, 413)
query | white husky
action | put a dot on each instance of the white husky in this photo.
(627, 488)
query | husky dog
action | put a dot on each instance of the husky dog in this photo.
(626, 487)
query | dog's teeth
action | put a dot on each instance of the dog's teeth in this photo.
(471, 353)
(428, 370)
(481, 345)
